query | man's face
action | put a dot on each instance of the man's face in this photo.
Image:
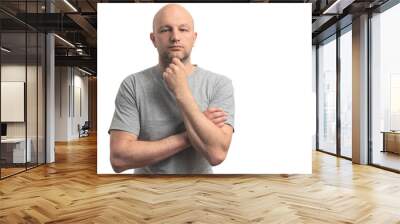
(173, 35)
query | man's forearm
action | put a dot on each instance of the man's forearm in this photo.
(130, 154)
(202, 133)
(206, 137)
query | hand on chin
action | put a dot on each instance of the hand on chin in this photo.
(175, 55)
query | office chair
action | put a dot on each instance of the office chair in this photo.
(84, 130)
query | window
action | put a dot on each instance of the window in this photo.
(385, 88)
(346, 92)
(327, 96)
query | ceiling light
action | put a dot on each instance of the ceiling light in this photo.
(86, 72)
(79, 51)
(5, 50)
(70, 5)
(64, 40)
(338, 6)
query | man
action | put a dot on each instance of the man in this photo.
(158, 124)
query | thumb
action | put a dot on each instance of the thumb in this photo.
(213, 109)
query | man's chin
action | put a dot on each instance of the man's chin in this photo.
(181, 57)
(171, 56)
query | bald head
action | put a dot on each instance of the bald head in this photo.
(171, 11)
(173, 34)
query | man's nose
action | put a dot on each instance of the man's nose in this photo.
(175, 36)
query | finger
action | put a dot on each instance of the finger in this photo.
(207, 115)
(210, 116)
(168, 70)
(218, 114)
(213, 116)
(176, 61)
(220, 124)
(164, 74)
(219, 120)
(173, 67)
(213, 109)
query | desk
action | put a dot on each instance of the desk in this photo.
(15, 148)
(391, 141)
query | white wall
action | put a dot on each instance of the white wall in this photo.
(16, 73)
(61, 103)
(80, 83)
(68, 83)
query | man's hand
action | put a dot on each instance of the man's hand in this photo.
(175, 75)
(216, 115)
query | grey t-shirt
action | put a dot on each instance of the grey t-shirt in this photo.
(144, 106)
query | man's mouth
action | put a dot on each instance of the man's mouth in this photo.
(175, 47)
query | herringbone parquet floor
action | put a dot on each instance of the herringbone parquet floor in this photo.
(70, 191)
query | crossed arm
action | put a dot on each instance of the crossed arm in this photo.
(213, 142)
(127, 152)
(205, 131)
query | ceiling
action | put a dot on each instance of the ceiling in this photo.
(76, 22)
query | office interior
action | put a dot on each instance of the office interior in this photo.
(48, 81)
(48, 111)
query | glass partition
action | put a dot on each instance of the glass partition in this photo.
(22, 77)
(385, 89)
(327, 96)
(31, 100)
(346, 93)
(13, 109)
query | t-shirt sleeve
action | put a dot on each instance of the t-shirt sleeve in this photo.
(126, 114)
(223, 98)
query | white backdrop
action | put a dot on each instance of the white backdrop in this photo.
(264, 48)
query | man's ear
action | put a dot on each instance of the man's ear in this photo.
(195, 37)
(152, 38)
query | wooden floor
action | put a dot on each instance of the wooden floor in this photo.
(70, 191)
(10, 171)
